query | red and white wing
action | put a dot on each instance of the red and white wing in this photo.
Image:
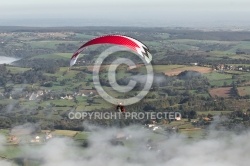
(125, 41)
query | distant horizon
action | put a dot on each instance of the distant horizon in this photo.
(139, 13)
(111, 23)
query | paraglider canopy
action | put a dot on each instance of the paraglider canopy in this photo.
(121, 40)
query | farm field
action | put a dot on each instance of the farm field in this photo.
(173, 70)
(243, 91)
(219, 79)
(220, 92)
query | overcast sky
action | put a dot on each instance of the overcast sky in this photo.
(125, 12)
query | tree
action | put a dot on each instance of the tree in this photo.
(225, 83)
(90, 101)
(48, 84)
(192, 115)
(63, 82)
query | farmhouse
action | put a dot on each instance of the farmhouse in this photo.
(13, 139)
(68, 97)
(195, 64)
(87, 92)
(35, 140)
(35, 96)
(178, 118)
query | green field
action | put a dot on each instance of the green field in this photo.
(4, 132)
(164, 68)
(65, 56)
(50, 44)
(213, 112)
(218, 76)
(218, 79)
(241, 45)
(14, 69)
(11, 151)
(195, 134)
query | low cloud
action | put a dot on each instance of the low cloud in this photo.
(105, 145)
(25, 129)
